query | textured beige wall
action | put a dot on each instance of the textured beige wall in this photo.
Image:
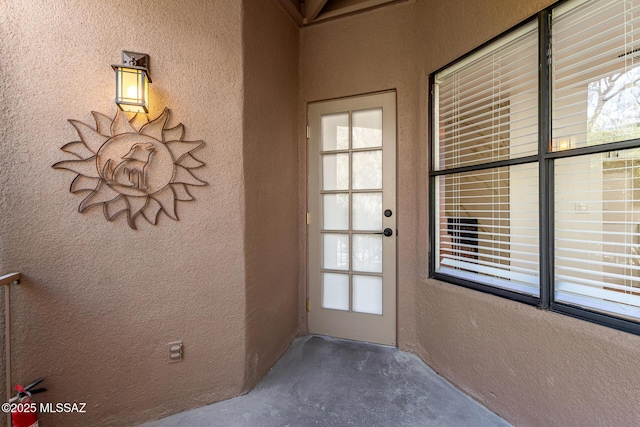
(271, 183)
(100, 302)
(535, 368)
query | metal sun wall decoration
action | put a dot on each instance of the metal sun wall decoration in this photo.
(132, 166)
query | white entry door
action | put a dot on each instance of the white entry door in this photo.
(352, 218)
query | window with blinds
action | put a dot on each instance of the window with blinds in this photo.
(535, 164)
(596, 102)
(487, 112)
(487, 104)
(597, 231)
(596, 72)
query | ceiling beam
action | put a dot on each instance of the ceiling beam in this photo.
(292, 10)
(312, 9)
(352, 6)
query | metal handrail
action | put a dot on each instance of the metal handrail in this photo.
(7, 280)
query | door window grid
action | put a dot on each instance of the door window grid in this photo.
(363, 263)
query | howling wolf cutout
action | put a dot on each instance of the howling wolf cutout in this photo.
(131, 171)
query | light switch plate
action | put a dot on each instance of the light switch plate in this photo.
(582, 207)
(175, 351)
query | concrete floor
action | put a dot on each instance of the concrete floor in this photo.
(324, 381)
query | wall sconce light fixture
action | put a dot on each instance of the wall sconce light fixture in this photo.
(132, 82)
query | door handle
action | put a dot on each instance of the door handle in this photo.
(387, 232)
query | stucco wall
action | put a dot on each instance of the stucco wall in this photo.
(535, 368)
(100, 302)
(271, 183)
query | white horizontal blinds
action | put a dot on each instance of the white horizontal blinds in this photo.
(487, 111)
(596, 100)
(596, 73)
(488, 227)
(597, 232)
(487, 105)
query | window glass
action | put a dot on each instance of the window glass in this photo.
(488, 227)
(596, 73)
(613, 107)
(597, 231)
(487, 107)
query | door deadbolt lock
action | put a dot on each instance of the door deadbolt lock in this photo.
(388, 213)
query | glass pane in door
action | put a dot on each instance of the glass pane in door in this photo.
(367, 170)
(335, 291)
(367, 211)
(335, 249)
(335, 132)
(367, 253)
(335, 171)
(367, 128)
(335, 211)
(367, 294)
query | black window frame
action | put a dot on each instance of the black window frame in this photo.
(545, 159)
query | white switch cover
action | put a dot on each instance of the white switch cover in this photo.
(582, 207)
(175, 351)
